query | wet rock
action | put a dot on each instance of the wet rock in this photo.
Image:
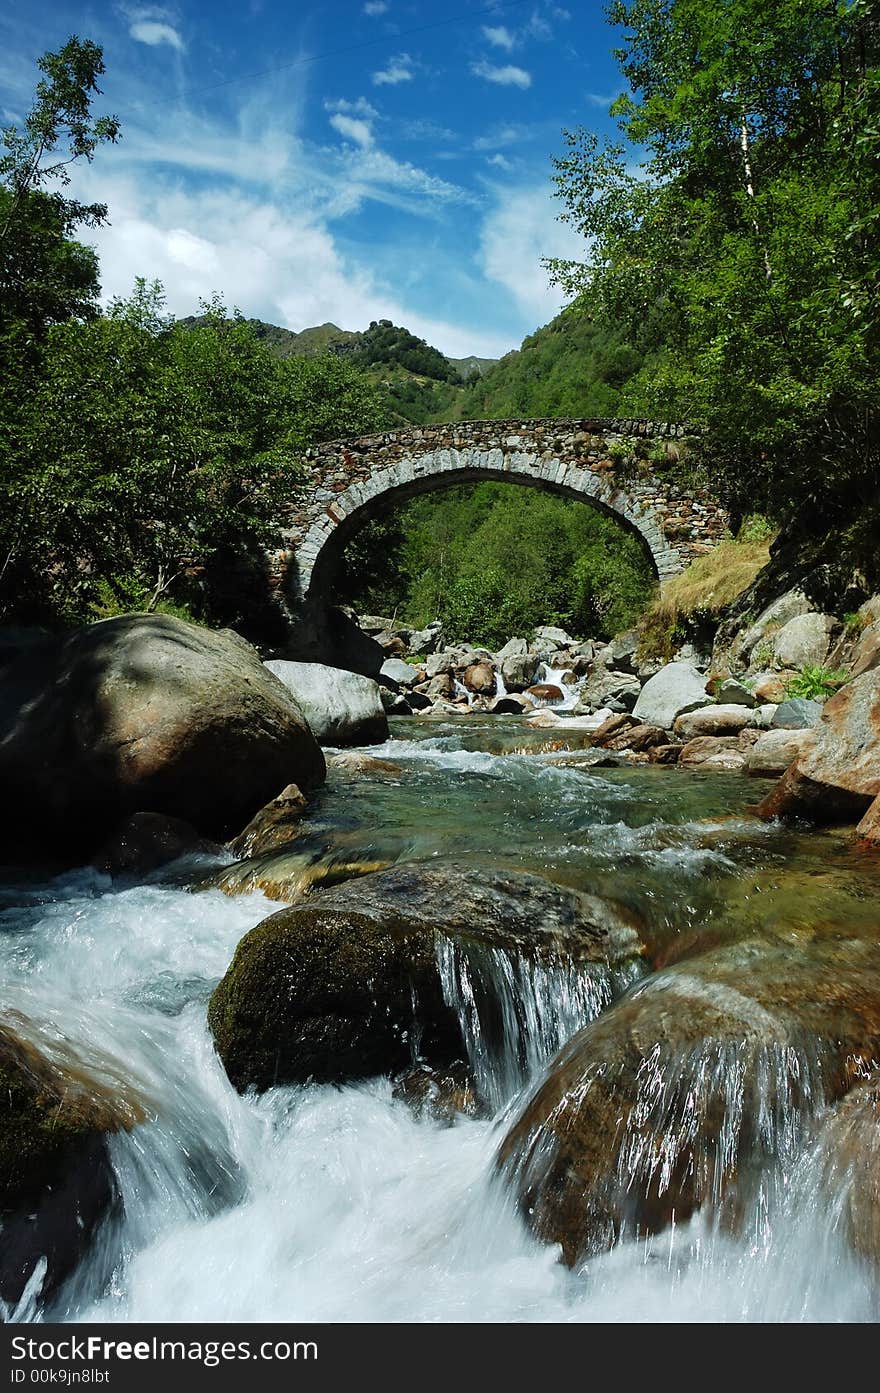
(545, 692)
(353, 764)
(714, 720)
(480, 679)
(291, 873)
(274, 826)
(510, 705)
(797, 713)
(638, 737)
(838, 775)
(419, 701)
(848, 1150)
(613, 727)
(680, 1095)
(341, 707)
(144, 713)
(665, 754)
(146, 841)
(713, 752)
(56, 1182)
(869, 827)
(442, 1095)
(676, 689)
(348, 985)
(804, 641)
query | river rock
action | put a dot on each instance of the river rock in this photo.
(444, 662)
(804, 641)
(348, 984)
(713, 752)
(848, 1152)
(660, 1106)
(769, 622)
(394, 703)
(441, 686)
(867, 651)
(513, 704)
(869, 827)
(624, 650)
(425, 640)
(797, 713)
(373, 624)
(775, 750)
(404, 674)
(771, 687)
(518, 671)
(144, 713)
(56, 1181)
(341, 707)
(513, 648)
(545, 692)
(146, 841)
(274, 826)
(634, 736)
(480, 679)
(714, 720)
(728, 692)
(619, 690)
(677, 688)
(838, 775)
(547, 633)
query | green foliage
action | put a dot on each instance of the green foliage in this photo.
(145, 453)
(498, 559)
(815, 683)
(855, 623)
(748, 241)
(385, 342)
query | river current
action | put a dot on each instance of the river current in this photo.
(342, 1204)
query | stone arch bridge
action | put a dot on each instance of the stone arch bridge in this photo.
(625, 468)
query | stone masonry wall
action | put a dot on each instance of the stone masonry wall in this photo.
(347, 482)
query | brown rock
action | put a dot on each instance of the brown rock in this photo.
(713, 720)
(612, 727)
(836, 777)
(849, 1154)
(665, 754)
(145, 713)
(273, 826)
(867, 653)
(774, 750)
(660, 1106)
(545, 691)
(479, 678)
(772, 687)
(869, 827)
(713, 752)
(637, 737)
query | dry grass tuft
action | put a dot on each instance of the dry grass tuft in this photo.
(704, 590)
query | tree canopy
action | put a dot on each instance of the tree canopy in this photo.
(747, 239)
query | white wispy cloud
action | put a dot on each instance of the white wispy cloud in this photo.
(501, 136)
(352, 129)
(522, 228)
(500, 36)
(153, 25)
(359, 107)
(376, 7)
(499, 161)
(399, 69)
(508, 76)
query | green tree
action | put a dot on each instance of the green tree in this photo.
(748, 238)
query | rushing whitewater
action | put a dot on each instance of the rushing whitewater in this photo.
(339, 1204)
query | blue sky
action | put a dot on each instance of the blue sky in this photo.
(350, 161)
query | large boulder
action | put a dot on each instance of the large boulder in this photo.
(774, 751)
(837, 776)
(679, 1096)
(804, 641)
(144, 713)
(341, 707)
(56, 1181)
(397, 671)
(519, 671)
(676, 688)
(479, 678)
(349, 984)
(714, 720)
(796, 713)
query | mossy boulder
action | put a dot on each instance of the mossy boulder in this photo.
(56, 1182)
(348, 985)
(144, 713)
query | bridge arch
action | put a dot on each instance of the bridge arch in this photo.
(625, 469)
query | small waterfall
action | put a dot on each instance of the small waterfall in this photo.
(460, 690)
(570, 691)
(500, 687)
(517, 1011)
